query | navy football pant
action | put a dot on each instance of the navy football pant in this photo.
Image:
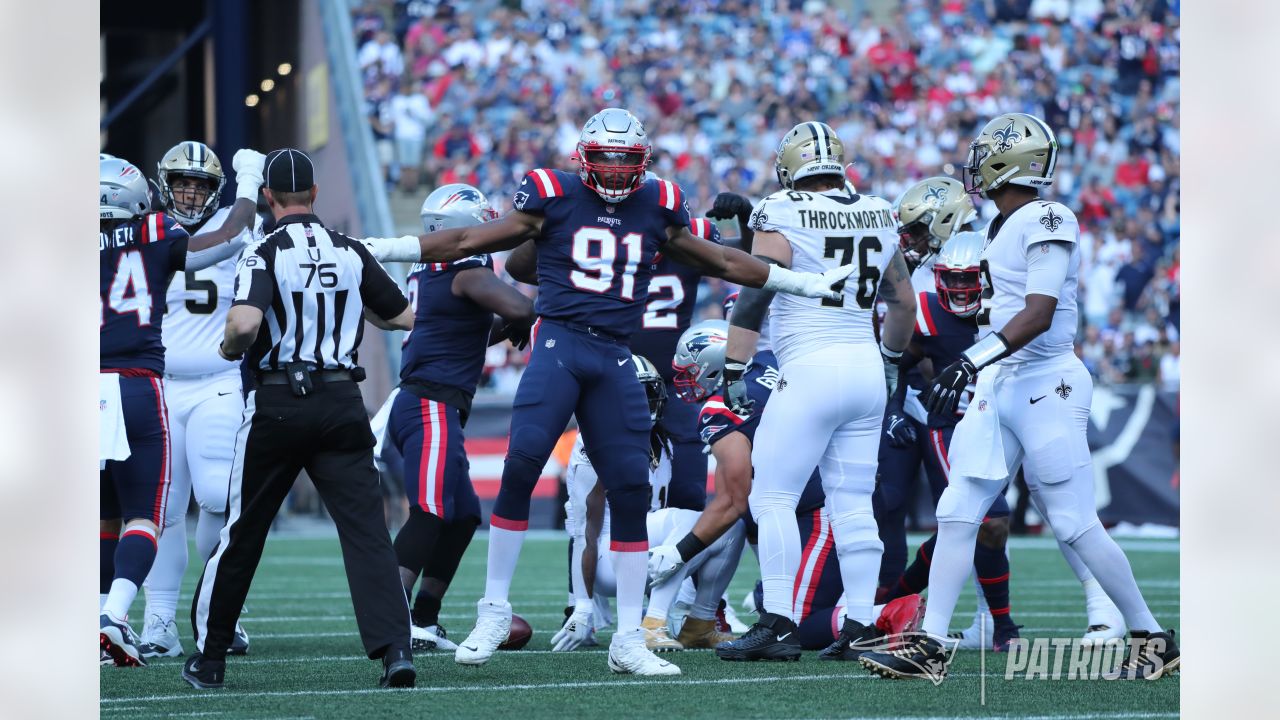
(437, 475)
(138, 487)
(688, 488)
(573, 372)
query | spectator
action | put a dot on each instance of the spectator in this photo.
(410, 114)
(381, 56)
(1171, 368)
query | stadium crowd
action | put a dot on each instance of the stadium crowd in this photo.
(481, 92)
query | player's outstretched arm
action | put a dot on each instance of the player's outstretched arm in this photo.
(248, 167)
(743, 269)
(505, 233)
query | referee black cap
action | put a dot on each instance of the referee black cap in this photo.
(289, 170)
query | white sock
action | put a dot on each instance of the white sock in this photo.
(952, 563)
(1111, 568)
(207, 528)
(632, 569)
(779, 552)
(688, 592)
(120, 598)
(165, 579)
(504, 553)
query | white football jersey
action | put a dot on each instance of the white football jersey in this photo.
(826, 230)
(197, 316)
(922, 276)
(1004, 277)
(659, 477)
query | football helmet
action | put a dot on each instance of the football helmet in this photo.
(931, 211)
(699, 360)
(122, 190)
(455, 205)
(613, 152)
(1013, 149)
(957, 274)
(193, 160)
(811, 148)
(655, 388)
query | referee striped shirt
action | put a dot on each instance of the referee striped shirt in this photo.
(312, 285)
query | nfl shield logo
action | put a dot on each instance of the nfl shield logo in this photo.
(982, 405)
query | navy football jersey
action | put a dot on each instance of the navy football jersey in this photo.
(138, 257)
(595, 258)
(673, 294)
(943, 336)
(717, 420)
(450, 333)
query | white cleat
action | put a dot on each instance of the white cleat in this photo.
(160, 638)
(736, 626)
(1105, 623)
(629, 656)
(431, 637)
(493, 626)
(972, 637)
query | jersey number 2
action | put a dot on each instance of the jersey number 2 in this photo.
(594, 250)
(868, 272)
(666, 293)
(129, 292)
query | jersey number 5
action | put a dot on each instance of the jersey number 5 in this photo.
(868, 271)
(208, 287)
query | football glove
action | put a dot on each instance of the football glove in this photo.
(248, 166)
(944, 393)
(890, 360)
(899, 428)
(829, 285)
(730, 205)
(735, 388)
(576, 630)
(664, 561)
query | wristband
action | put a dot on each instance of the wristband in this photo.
(229, 358)
(892, 356)
(689, 546)
(734, 370)
(986, 351)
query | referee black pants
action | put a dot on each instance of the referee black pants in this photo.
(327, 433)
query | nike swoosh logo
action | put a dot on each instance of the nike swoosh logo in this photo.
(1036, 400)
(622, 361)
(784, 637)
(472, 648)
(222, 394)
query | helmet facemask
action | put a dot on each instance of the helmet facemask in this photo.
(971, 174)
(614, 173)
(959, 289)
(192, 201)
(692, 384)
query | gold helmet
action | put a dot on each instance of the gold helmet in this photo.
(1014, 148)
(190, 159)
(811, 148)
(931, 211)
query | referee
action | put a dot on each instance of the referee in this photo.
(314, 287)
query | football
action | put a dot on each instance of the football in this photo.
(520, 635)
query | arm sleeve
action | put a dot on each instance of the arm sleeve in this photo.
(254, 284)
(1047, 266)
(378, 291)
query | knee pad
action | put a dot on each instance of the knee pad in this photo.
(966, 500)
(856, 531)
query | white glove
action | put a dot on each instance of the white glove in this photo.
(576, 630)
(809, 284)
(401, 249)
(248, 166)
(664, 561)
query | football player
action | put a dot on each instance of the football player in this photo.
(1032, 400)
(202, 391)
(590, 528)
(443, 357)
(597, 234)
(830, 401)
(138, 251)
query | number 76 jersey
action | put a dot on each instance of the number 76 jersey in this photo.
(827, 230)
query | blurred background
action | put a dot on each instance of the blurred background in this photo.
(391, 98)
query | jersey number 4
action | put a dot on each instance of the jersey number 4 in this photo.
(868, 271)
(594, 251)
(129, 292)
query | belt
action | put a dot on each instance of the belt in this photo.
(280, 377)
(587, 329)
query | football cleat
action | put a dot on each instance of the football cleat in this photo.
(853, 640)
(203, 674)
(397, 669)
(430, 637)
(657, 636)
(160, 638)
(773, 637)
(901, 615)
(629, 656)
(727, 621)
(922, 657)
(1002, 635)
(493, 625)
(971, 638)
(702, 634)
(104, 658)
(1105, 623)
(239, 641)
(1149, 656)
(118, 640)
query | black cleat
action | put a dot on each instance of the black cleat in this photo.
(202, 673)
(921, 657)
(773, 637)
(1004, 634)
(398, 670)
(854, 639)
(1150, 656)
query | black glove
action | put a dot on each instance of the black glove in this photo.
(899, 428)
(730, 205)
(944, 393)
(517, 331)
(735, 388)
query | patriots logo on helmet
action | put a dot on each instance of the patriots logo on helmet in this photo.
(1006, 137)
(1051, 220)
(464, 194)
(936, 194)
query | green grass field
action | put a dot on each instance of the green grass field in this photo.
(306, 660)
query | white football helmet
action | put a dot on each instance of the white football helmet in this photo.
(613, 152)
(122, 190)
(957, 274)
(699, 360)
(455, 205)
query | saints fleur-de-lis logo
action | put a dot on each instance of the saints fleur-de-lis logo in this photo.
(1005, 137)
(936, 194)
(1063, 389)
(1050, 220)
